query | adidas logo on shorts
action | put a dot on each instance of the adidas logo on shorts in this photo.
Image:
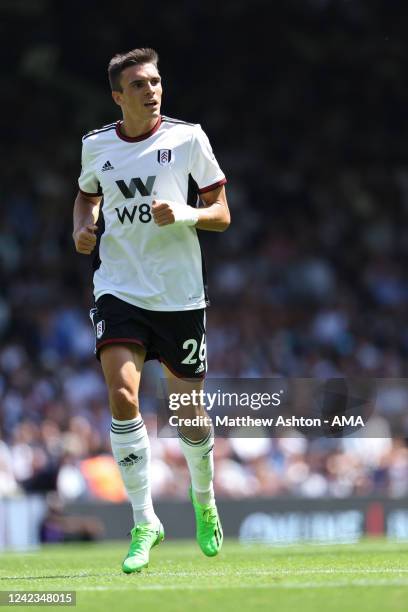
(131, 459)
(201, 368)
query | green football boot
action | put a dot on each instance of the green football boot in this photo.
(208, 524)
(144, 537)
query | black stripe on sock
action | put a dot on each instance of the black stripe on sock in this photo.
(138, 424)
(127, 424)
(195, 443)
(128, 430)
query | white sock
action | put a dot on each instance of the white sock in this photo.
(200, 461)
(131, 450)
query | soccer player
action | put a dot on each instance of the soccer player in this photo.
(149, 280)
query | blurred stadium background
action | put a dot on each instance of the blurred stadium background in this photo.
(306, 108)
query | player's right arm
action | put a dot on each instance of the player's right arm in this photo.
(86, 213)
(87, 203)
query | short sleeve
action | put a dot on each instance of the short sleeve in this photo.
(204, 167)
(88, 182)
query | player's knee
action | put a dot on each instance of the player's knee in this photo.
(124, 403)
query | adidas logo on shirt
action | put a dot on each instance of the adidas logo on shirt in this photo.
(131, 459)
(107, 166)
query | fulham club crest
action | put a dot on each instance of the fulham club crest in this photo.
(164, 156)
(100, 329)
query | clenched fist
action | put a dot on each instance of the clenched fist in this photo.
(169, 213)
(85, 239)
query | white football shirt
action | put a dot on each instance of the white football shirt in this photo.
(156, 268)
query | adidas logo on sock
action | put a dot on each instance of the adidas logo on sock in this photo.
(200, 368)
(107, 166)
(131, 459)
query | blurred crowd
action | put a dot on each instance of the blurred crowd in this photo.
(309, 281)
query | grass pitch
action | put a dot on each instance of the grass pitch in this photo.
(368, 576)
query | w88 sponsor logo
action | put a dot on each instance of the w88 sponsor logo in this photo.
(144, 215)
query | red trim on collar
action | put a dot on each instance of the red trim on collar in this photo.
(138, 138)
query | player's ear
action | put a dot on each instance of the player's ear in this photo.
(117, 97)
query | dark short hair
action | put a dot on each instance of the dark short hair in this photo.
(121, 61)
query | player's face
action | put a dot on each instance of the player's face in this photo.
(142, 92)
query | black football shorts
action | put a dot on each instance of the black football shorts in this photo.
(176, 338)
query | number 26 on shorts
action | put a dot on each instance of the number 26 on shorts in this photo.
(191, 345)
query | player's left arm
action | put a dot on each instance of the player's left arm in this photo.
(215, 216)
